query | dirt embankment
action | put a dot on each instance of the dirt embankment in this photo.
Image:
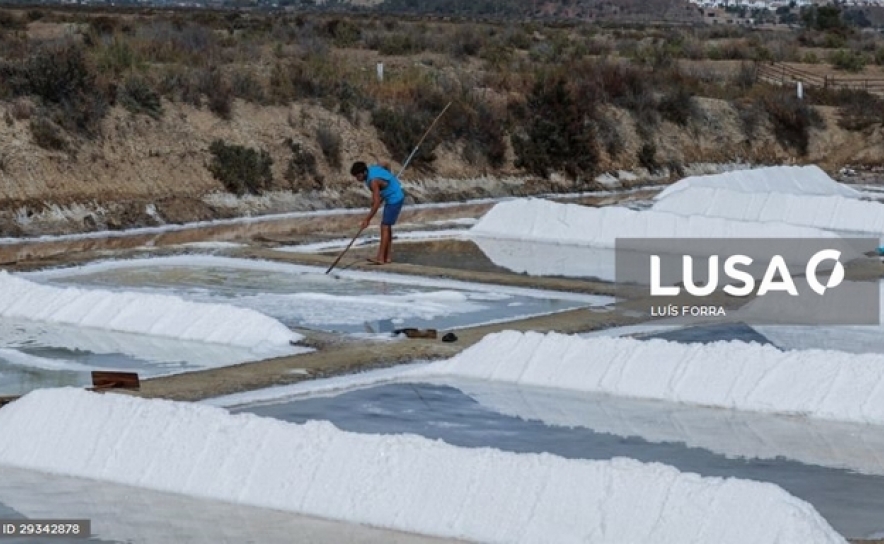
(147, 172)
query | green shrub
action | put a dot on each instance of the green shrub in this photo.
(558, 134)
(401, 128)
(675, 168)
(281, 88)
(248, 87)
(751, 114)
(517, 38)
(242, 170)
(117, 57)
(57, 72)
(849, 61)
(104, 25)
(11, 22)
(301, 172)
(475, 123)
(137, 96)
(792, 118)
(218, 93)
(623, 85)
(860, 110)
(746, 76)
(466, 42)
(331, 145)
(343, 32)
(608, 135)
(647, 157)
(47, 134)
(677, 106)
(61, 77)
(177, 42)
(489, 136)
(399, 44)
(179, 84)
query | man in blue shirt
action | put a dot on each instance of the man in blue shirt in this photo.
(384, 186)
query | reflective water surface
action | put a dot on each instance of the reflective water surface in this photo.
(121, 514)
(839, 468)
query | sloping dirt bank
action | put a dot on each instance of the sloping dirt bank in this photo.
(144, 172)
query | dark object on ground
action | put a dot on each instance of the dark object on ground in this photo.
(101, 381)
(449, 337)
(115, 380)
(417, 333)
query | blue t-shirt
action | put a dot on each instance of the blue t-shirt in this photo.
(392, 193)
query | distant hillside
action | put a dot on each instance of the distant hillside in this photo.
(126, 119)
(547, 9)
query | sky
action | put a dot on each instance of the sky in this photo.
(414, 484)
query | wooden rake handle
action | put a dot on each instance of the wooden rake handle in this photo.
(355, 236)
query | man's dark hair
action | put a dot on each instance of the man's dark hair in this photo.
(358, 167)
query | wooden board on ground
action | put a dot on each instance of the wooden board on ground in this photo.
(102, 380)
(114, 380)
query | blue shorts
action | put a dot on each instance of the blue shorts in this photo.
(391, 213)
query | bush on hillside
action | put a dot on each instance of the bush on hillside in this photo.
(47, 134)
(647, 157)
(849, 61)
(242, 170)
(558, 132)
(752, 116)
(61, 77)
(792, 118)
(301, 171)
(401, 128)
(331, 145)
(475, 123)
(677, 106)
(11, 21)
(137, 96)
(609, 137)
(860, 110)
(247, 86)
(219, 95)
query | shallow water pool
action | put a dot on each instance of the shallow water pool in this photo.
(126, 515)
(835, 467)
(349, 302)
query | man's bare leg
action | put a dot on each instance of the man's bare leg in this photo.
(388, 249)
(384, 247)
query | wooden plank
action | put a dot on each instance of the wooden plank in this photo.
(102, 379)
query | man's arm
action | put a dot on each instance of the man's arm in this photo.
(375, 201)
